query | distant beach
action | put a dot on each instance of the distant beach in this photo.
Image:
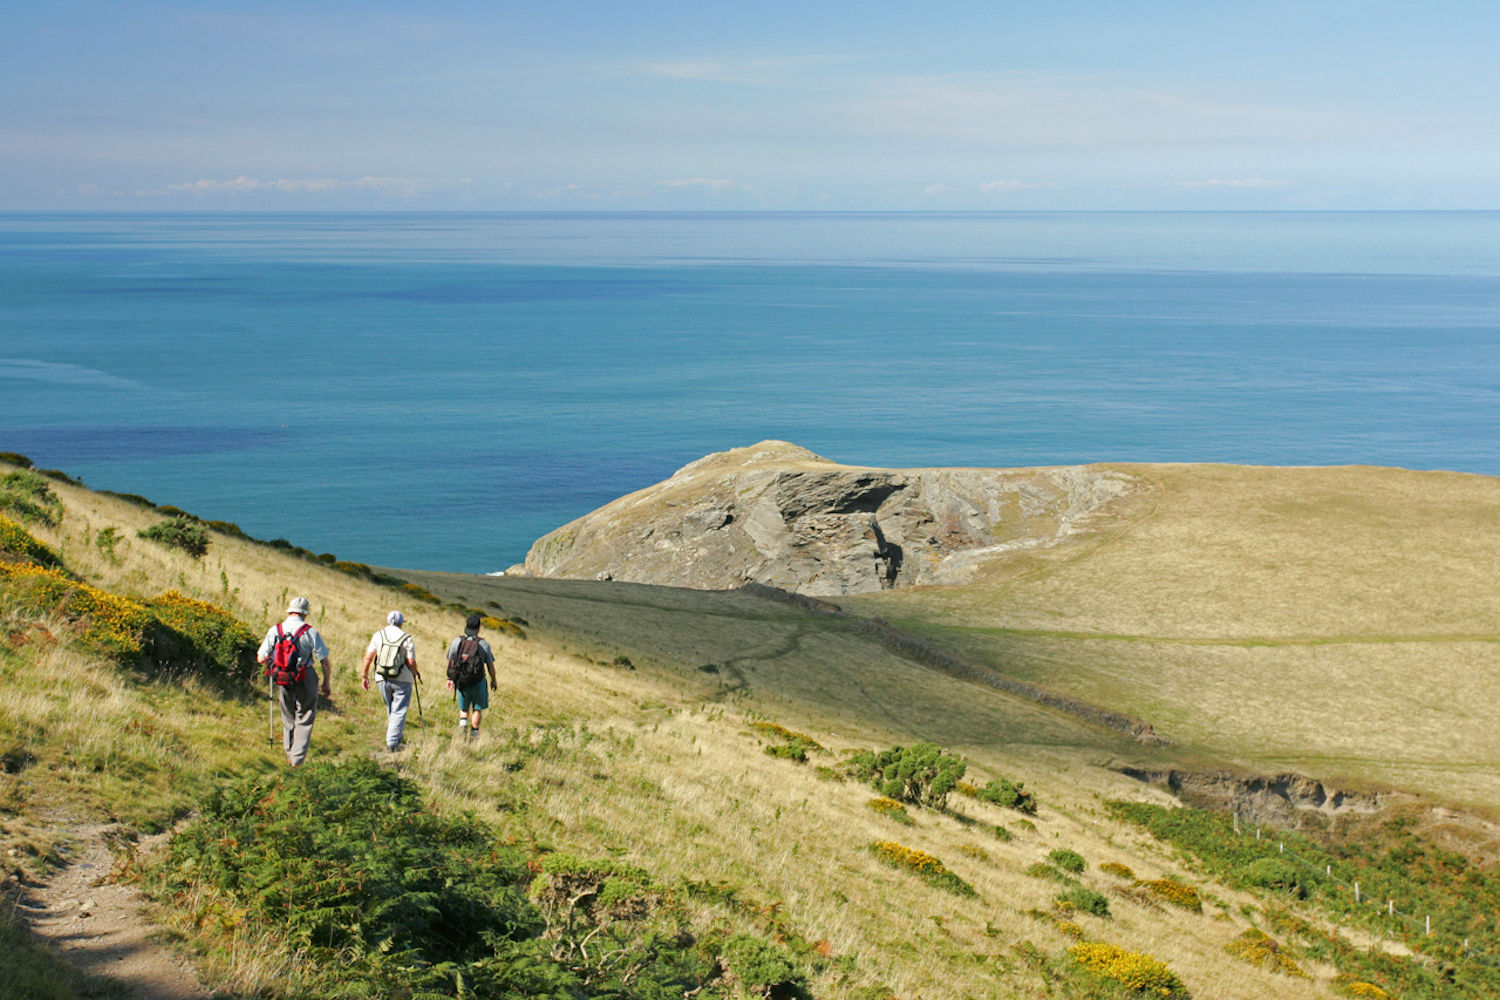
(437, 390)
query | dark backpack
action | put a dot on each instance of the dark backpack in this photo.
(288, 664)
(466, 667)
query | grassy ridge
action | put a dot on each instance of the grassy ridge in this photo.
(611, 741)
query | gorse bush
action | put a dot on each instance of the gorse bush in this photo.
(1258, 948)
(1177, 893)
(185, 534)
(787, 744)
(27, 495)
(19, 546)
(1274, 874)
(758, 968)
(923, 774)
(202, 638)
(891, 809)
(110, 624)
(921, 864)
(1067, 860)
(1138, 973)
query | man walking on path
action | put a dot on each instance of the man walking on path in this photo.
(299, 698)
(394, 654)
(468, 658)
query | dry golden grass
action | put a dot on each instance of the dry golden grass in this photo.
(1335, 621)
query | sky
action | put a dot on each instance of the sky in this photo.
(265, 105)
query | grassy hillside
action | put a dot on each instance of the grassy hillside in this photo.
(650, 734)
(1341, 622)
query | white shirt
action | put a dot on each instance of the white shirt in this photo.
(392, 634)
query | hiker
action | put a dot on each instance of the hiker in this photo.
(288, 652)
(394, 654)
(468, 658)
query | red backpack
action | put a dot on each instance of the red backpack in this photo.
(288, 663)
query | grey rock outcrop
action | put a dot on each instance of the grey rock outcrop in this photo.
(777, 514)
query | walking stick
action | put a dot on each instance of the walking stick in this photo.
(271, 691)
(417, 688)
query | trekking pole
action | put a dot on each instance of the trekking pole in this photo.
(271, 691)
(417, 688)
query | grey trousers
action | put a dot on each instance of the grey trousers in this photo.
(299, 704)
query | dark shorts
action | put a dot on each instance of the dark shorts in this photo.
(476, 695)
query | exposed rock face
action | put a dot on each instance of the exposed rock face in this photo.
(1291, 801)
(780, 515)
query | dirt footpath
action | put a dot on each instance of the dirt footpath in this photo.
(97, 926)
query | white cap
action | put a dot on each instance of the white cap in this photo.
(298, 606)
(395, 618)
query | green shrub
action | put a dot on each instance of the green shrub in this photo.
(1068, 861)
(923, 774)
(1007, 794)
(1002, 834)
(1274, 874)
(1085, 900)
(758, 968)
(179, 533)
(18, 545)
(26, 494)
(15, 458)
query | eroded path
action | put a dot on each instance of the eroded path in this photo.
(97, 925)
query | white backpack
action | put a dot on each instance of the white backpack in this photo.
(390, 658)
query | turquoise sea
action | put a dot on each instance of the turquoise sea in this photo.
(437, 390)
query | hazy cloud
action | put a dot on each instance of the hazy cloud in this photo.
(717, 184)
(1000, 187)
(1240, 182)
(395, 187)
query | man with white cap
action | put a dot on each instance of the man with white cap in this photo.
(394, 654)
(297, 691)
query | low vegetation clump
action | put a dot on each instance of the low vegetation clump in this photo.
(923, 774)
(19, 546)
(181, 533)
(1259, 948)
(787, 744)
(1067, 860)
(110, 624)
(1084, 900)
(755, 967)
(1274, 874)
(1348, 986)
(1174, 892)
(1001, 792)
(921, 864)
(891, 809)
(1138, 973)
(27, 495)
(202, 638)
(1118, 870)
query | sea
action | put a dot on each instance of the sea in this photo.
(436, 391)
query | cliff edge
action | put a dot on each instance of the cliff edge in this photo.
(777, 514)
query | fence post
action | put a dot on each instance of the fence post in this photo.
(1356, 892)
(1280, 848)
(1429, 924)
(1390, 907)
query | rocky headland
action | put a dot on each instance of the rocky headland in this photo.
(777, 514)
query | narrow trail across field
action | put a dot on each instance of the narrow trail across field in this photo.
(97, 925)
